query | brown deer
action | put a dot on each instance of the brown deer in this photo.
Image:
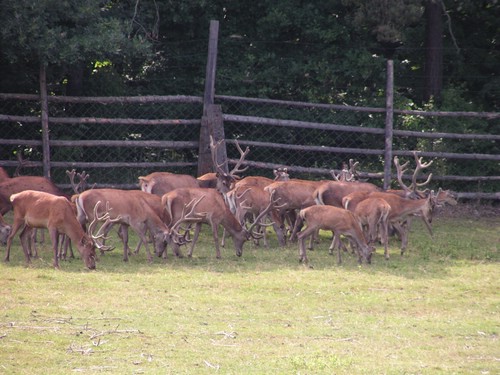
(331, 192)
(160, 183)
(337, 220)
(226, 181)
(252, 200)
(292, 195)
(131, 208)
(373, 216)
(35, 209)
(17, 184)
(401, 210)
(211, 209)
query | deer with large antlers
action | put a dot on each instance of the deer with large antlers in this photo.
(401, 210)
(337, 220)
(35, 209)
(226, 181)
(251, 200)
(210, 209)
(133, 208)
(412, 190)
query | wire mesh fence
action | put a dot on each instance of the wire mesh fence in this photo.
(115, 141)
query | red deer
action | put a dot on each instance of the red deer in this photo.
(130, 208)
(211, 209)
(331, 192)
(292, 195)
(226, 181)
(21, 183)
(160, 183)
(401, 209)
(373, 216)
(208, 180)
(340, 222)
(35, 209)
(252, 200)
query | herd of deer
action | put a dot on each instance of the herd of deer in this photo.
(169, 205)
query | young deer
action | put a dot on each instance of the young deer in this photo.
(340, 222)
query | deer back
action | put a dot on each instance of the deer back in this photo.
(331, 192)
(293, 194)
(160, 183)
(17, 184)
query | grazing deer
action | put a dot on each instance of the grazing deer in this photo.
(337, 220)
(132, 208)
(210, 208)
(373, 216)
(252, 200)
(35, 209)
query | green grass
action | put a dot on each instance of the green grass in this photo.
(434, 311)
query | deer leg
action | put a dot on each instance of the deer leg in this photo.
(215, 232)
(33, 251)
(311, 241)
(223, 241)
(401, 230)
(197, 229)
(26, 237)
(301, 236)
(16, 225)
(337, 242)
(54, 234)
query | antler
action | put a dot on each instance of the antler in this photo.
(262, 214)
(281, 174)
(348, 173)
(191, 216)
(100, 234)
(218, 167)
(82, 184)
(419, 167)
(21, 163)
(236, 170)
(412, 191)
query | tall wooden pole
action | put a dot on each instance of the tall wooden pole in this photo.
(389, 118)
(45, 120)
(211, 122)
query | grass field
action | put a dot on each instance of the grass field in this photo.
(435, 311)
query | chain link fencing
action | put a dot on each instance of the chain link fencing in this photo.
(309, 139)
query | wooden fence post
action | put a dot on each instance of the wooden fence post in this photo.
(389, 118)
(45, 120)
(211, 122)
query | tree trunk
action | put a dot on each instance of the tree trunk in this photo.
(433, 50)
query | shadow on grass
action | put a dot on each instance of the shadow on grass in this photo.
(454, 241)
